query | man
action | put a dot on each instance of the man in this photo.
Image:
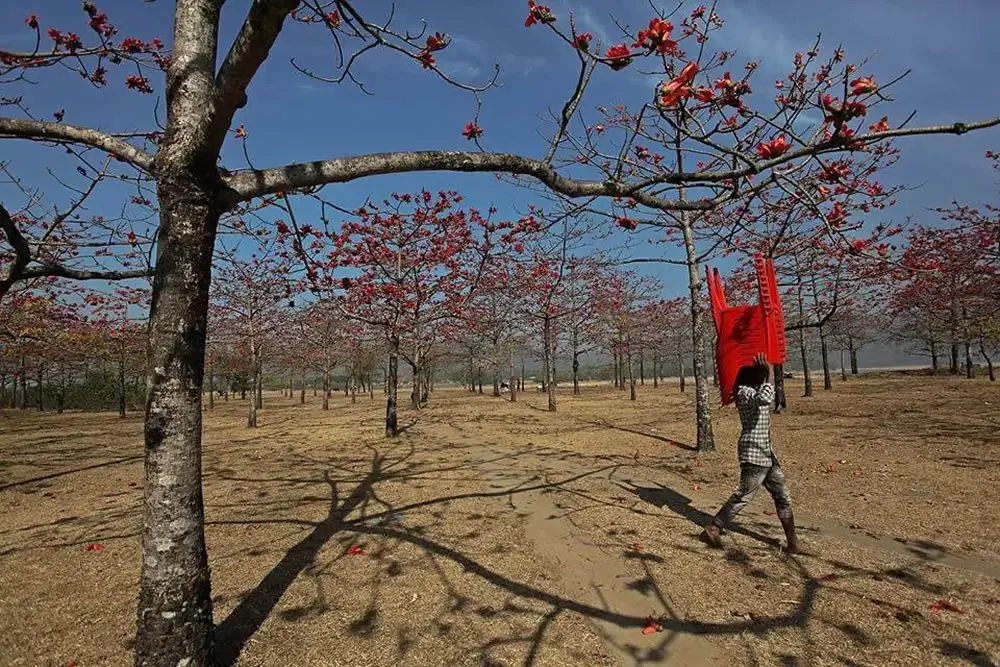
(758, 464)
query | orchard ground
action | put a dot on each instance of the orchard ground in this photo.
(492, 533)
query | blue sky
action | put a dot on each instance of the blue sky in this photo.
(290, 118)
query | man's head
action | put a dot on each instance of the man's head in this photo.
(751, 376)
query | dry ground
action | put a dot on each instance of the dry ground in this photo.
(499, 534)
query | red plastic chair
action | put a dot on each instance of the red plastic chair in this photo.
(745, 331)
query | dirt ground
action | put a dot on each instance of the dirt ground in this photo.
(498, 534)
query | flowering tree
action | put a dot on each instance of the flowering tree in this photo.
(251, 294)
(624, 297)
(205, 86)
(418, 260)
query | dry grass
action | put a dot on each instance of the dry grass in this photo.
(500, 534)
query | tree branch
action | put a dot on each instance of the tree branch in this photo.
(248, 184)
(22, 251)
(51, 270)
(246, 54)
(39, 130)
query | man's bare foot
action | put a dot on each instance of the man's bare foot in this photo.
(711, 536)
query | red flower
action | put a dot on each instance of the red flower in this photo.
(688, 73)
(426, 59)
(32, 21)
(282, 227)
(437, 41)
(59, 115)
(355, 550)
(94, 546)
(472, 130)
(626, 223)
(333, 18)
(773, 148)
(882, 125)
(538, 14)
(863, 86)
(652, 625)
(657, 37)
(582, 41)
(137, 82)
(619, 57)
(240, 132)
(131, 45)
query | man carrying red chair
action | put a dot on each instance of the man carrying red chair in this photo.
(750, 339)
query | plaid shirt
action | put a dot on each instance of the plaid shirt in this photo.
(755, 418)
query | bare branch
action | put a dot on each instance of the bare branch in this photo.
(22, 251)
(40, 130)
(248, 52)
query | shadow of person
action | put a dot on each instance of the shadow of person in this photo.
(679, 504)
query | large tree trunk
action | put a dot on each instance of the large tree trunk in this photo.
(174, 616)
(392, 384)
(703, 407)
(547, 344)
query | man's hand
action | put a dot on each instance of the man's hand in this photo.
(761, 360)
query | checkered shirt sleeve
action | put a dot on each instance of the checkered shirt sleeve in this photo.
(755, 418)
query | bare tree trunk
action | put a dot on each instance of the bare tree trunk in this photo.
(576, 361)
(631, 375)
(550, 385)
(326, 387)
(970, 368)
(302, 389)
(259, 393)
(803, 349)
(496, 373)
(254, 386)
(642, 367)
(512, 379)
(703, 407)
(656, 370)
(174, 607)
(354, 388)
(61, 400)
(780, 396)
(935, 364)
(825, 356)
(24, 384)
(681, 373)
(40, 380)
(852, 348)
(392, 383)
(989, 361)
(843, 365)
(211, 387)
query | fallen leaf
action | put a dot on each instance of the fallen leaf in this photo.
(858, 472)
(94, 546)
(697, 462)
(697, 487)
(652, 625)
(770, 513)
(946, 605)
(635, 546)
(355, 550)
(831, 468)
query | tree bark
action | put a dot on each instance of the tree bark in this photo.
(642, 367)
(40, 382)
(211, 388)
(852, 348)
(656, 370)
(576, 361)
(326, 388)
(825, 355)
(512, 380)
(392, 384)
(302, 389)
(259, 386)
(254, 377)
(631, 375)
(550, 385)
(780, 396)
(935, 364)
(703, 408)
(843, 365)
(988, 360)
(174, 611)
